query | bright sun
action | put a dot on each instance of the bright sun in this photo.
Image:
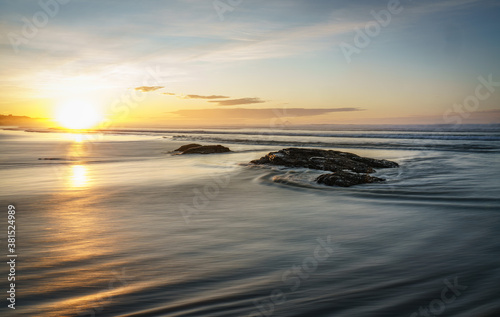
(78, 115)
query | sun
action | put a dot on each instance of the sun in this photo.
(78, 115)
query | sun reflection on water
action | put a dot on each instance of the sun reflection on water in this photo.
(78, 176)
(75, 137)
(78, 137)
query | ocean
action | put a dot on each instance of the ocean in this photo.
(115, 224)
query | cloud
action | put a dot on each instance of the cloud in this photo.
(266, 113)
(229, 102)
(148, 88)
(241, 101)
(205, 97)
(168, 93)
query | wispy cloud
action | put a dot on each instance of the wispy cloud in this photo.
(236, 102)
(148, 88)
(265, 113)
(205, 97)
(286, 50)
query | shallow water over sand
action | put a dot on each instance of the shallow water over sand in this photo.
(120, 227)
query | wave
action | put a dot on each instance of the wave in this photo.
(366, 134)
(339, 134)
(423, 140)
(418, 146)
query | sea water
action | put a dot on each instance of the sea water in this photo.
(115, 224)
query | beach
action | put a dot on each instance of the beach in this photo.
(230, 158)
(115, 224)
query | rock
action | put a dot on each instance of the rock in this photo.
(206, 149)
(327, 160)
(346, 179)
(187, 147)
(349, 169)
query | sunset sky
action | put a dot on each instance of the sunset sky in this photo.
(208, 63)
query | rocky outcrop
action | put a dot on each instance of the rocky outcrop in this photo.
(347, 179)
(348, 168)
(187, 147)
(202, 149)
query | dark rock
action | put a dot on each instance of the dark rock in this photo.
(187, 147)
(346, 179)
(207, 149)
(345, 166)
(327, 160)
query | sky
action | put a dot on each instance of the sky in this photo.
(252, 62)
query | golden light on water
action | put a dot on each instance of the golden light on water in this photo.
(79, 149)
(78, 152)
(78, 176)
(76, 137)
